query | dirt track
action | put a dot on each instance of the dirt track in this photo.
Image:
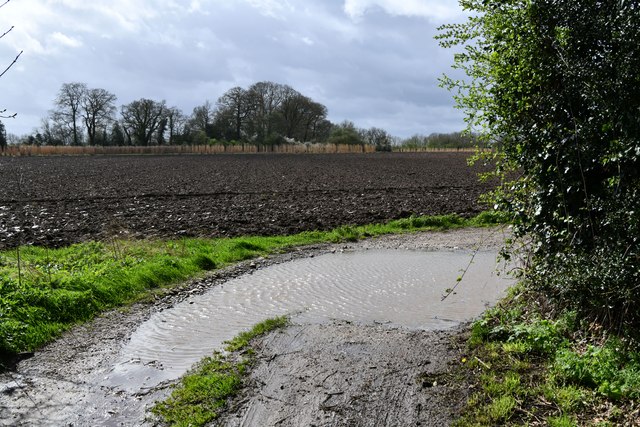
(340, 374)
(61, 200)
(333, 374)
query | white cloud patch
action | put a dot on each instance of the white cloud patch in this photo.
(63, 40)
(272, 8)
(435, 9)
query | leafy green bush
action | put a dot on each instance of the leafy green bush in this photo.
(532, 335)
(608, 369)
(555, 85)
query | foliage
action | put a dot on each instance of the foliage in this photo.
(454, 140)
(345, 133)
(202, 393)
(527, 367)
(52, 289)
(608, 368)
(556, 84)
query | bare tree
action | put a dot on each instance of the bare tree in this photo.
(267, 112)
(98, 110)
(290, 111)
(3, 137)
(233, 110)
(316, 127)
(378, 137)
(141, 119)
(69, 109)
(176, 125)
(53, 133)
(203, 117)
(265, 99)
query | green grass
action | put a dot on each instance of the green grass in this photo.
(527, 366)
(203, 392)
(50, 290)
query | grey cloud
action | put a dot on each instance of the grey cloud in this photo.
(377, 70)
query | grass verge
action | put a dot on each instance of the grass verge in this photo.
(204, 391)
(529, 367)
(43, 292)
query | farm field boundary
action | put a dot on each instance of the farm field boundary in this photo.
(34, 150)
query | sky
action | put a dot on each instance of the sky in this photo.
(374, 62)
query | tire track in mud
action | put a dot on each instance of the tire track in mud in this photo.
(342, 374)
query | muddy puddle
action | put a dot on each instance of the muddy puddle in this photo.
(396, 287)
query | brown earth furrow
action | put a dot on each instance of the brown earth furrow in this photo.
(61, 200)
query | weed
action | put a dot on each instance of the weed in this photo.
(204, 262)
(568, 398)
(562, 421)
(488, 218)
(241, 341)
(346, 234)
(530, 367)
(501, 409)
(203, 393)
(608, 369)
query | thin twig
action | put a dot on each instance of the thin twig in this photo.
(482, 363)
(8, 31)
(464, 272)
(11, 65)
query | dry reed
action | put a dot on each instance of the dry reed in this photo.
(34, 150)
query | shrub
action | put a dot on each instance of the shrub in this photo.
(555, 84)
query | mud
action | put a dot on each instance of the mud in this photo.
(389, 370)
(398, 288)
(56, 201)
(340, 374)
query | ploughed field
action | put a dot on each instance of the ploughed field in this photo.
(56, 201)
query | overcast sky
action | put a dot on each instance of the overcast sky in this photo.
(374, 62)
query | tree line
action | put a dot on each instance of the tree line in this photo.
(265, 113)
(453, 140)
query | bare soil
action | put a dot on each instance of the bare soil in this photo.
(330, 374)
(341, 374)
(56, 201)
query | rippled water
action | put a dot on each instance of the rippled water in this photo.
(402, 288)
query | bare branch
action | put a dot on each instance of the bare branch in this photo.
(11, 65)
(2, 116)
(7, 32)
(4, 4)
